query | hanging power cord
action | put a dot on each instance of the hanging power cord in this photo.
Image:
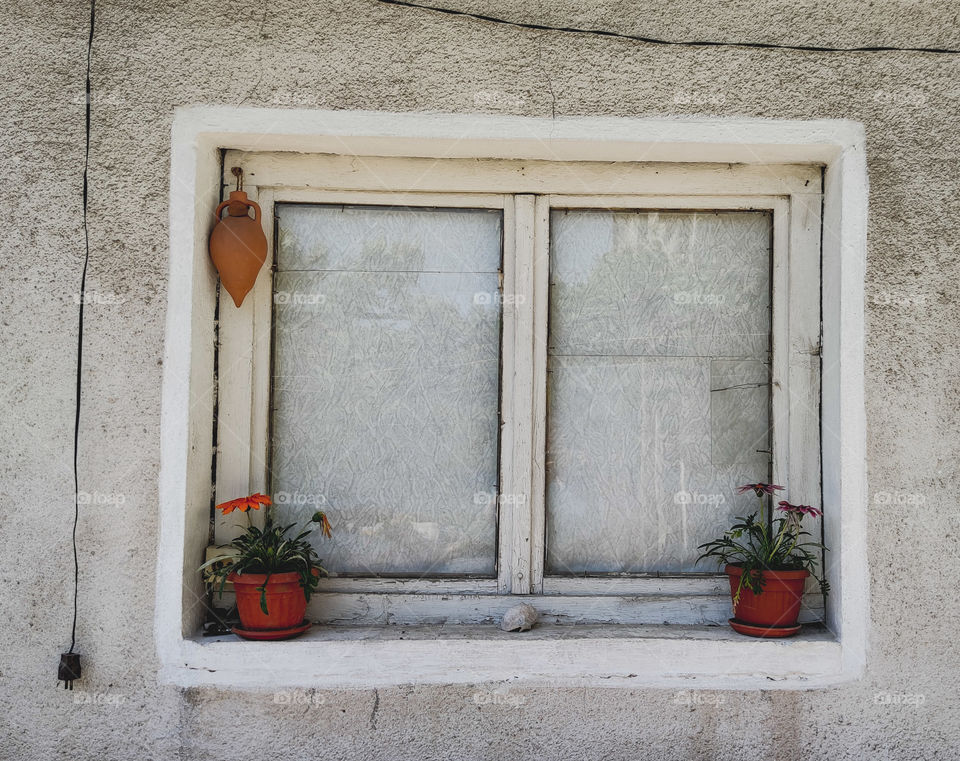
(656, 41)
(69, 669)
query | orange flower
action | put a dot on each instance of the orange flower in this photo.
(245, 503)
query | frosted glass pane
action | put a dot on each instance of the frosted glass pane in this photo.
(688, 284)
(385, 394)
(658, 397)
(381, 239)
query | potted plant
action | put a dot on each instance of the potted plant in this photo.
(767, 561)
(273, 572)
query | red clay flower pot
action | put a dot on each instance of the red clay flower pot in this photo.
(777, 606)
(286, 603)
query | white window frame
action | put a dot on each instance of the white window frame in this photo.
(758, 154)
(792, 194)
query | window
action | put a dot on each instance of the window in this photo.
(525, 393)
(530, 172)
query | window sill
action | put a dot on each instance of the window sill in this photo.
(328, 657)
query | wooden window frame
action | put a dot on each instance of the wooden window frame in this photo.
(526, 192)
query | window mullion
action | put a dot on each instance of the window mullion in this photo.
(509, 317)
(517, 457)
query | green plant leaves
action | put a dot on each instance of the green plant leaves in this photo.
(764, 548)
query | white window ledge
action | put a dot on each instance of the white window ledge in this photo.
(679, 657)
(618, 655)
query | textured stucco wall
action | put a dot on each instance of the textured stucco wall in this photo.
(150, 57)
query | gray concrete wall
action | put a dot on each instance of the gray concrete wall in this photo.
(150, 57)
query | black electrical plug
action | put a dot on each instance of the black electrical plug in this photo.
(69, 669)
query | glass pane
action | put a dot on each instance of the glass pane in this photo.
(658, 390)
(381, 239)
(386, 384)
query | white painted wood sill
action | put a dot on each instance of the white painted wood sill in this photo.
(679, 657)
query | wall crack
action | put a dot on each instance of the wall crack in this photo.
(546, 74)
(376, 708)
(681, 43)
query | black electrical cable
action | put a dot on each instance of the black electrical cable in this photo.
(69, 669)
(657, 41)
(83, 295)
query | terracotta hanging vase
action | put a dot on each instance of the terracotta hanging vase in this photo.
(238, 246)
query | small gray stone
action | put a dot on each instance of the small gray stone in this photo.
(519, 618)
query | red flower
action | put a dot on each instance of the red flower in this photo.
(800, 510)
(760, 489)
(245, 503)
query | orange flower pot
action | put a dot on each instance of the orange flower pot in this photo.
(286, 603)
(777, 608)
